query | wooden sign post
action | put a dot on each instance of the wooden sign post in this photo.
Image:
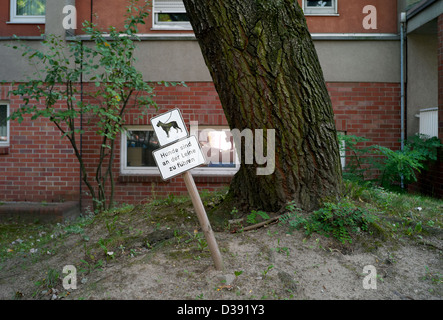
(204, 221)
(179, 155)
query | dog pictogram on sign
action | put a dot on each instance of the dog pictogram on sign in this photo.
(169, 127)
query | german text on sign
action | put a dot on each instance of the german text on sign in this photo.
(179, 157)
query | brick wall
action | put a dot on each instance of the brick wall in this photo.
(39, 166)
(370, 110)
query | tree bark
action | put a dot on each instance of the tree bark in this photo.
(266, 71)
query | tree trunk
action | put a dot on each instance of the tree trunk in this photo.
(266, 71)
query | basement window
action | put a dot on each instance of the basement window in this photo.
(138, 143)
(320, 7)
(4, 125)
(28, 11)
(170, 15)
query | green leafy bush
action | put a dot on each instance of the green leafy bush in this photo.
(405, 164)
(395, 165)
(356, 156)
(387, 167)
(109, 61)
(427, 146)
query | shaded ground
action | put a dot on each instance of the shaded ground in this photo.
(155, 251)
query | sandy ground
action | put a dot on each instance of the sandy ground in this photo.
(267, 263)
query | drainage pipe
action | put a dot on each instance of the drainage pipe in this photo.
(402, 76)
(81, 126)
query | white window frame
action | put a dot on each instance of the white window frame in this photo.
(173, 8)
(8, 134)
(124, 169)
(154, 171)
(321, 11)
(14, 18)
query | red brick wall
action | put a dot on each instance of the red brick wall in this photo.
(39, 166)
(370, 110)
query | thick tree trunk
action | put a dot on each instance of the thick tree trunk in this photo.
(267, 74)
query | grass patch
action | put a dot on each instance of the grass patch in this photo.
(24, 239)
(370, 210)
(97, 239)
(401, 213)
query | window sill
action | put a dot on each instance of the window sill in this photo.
(126, 178)
(145, 37)
(28, 38)
(171, 28)
(322, 15)
(25, 22)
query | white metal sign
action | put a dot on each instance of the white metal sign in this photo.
(179, 157)
(169, 127)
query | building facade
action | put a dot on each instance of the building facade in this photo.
(358, 43)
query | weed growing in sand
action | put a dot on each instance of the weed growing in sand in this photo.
(282, 250)
(434, 277)
(266, 271)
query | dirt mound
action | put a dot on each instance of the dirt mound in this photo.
(170, 260)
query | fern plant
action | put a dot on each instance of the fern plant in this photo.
(252, 217)
(393, 165)
(397, 164)
(356, 156)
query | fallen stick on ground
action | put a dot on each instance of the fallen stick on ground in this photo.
(259, 225)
